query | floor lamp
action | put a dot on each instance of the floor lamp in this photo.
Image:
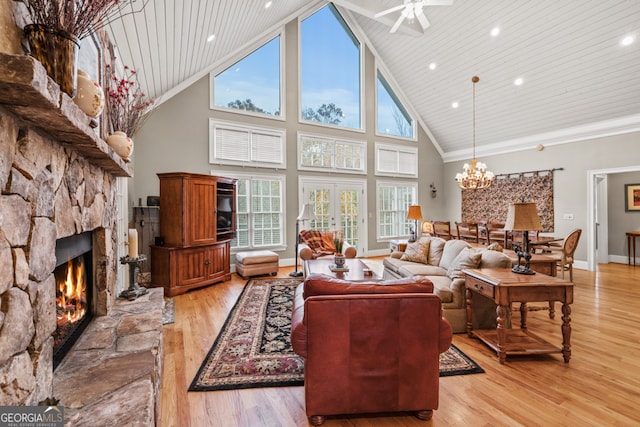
(306, 213)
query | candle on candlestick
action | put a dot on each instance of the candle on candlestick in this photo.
(133, 243)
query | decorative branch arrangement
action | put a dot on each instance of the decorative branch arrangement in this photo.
(80, 17)
(128, 105)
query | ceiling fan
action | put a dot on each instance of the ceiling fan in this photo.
(411, 10)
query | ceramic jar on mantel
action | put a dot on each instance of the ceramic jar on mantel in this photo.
(89, 95)
(121, 144)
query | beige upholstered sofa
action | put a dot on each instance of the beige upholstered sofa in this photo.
(441, 261)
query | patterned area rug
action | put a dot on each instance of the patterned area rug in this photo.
(253, 348)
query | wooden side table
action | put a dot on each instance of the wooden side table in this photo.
(398, 245)
(631, 243)
(505, 287)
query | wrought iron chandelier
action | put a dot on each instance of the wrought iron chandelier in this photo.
(475, 175)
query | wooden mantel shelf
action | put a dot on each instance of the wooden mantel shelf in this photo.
(27, 92)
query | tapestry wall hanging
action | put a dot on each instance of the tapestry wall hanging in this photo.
(492, 204)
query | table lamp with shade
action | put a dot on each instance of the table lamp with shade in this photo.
(414, 213)
(306, 213)
(523, 217)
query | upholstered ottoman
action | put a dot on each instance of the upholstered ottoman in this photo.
(253, 263)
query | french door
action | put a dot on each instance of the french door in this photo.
(338, 206)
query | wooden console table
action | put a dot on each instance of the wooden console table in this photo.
(631, 243)
(505, 287)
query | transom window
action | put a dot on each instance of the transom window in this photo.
(396, 160)
(324, 153)
(330, 70)
(252, 84)
(393, 201)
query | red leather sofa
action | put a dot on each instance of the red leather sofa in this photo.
(369, 347)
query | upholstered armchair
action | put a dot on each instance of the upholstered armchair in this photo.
(315, 244)
(369, 347)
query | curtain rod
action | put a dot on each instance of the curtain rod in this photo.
(523, 173)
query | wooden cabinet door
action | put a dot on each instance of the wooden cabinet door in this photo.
(200, 212)
(191, 266)
(219, 256)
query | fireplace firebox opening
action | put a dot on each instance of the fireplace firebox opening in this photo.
(74, 291)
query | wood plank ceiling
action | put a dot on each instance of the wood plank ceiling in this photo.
(578, 80)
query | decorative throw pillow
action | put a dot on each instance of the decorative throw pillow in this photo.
(495, 247)
(417, 252)
(467, 258)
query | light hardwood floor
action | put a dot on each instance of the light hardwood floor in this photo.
(599, 387)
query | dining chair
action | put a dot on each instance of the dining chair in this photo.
(442, 229)
(494, 233)
(467, 231)
(564, 254)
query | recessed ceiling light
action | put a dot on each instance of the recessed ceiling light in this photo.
(211, 38)
(268, 4)
(432, 66)
(627, 40)
(518, 81)
(455, 104)
(495, 31)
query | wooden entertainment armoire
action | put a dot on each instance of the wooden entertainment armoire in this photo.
(197, 223)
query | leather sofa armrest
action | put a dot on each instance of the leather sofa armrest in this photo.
(446, 335)
(298, 328)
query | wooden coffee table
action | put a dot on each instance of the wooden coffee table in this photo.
(356, 271)
(505, 287)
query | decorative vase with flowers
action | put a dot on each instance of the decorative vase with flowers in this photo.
(58, 25)
(128, 107)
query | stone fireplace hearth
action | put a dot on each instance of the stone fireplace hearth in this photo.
(58, 179)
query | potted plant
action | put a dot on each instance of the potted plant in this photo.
(338, 241)
(128, 107)
(56, 28)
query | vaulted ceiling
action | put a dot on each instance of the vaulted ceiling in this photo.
(578, 80)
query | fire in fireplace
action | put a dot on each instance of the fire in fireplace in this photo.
(74, 283)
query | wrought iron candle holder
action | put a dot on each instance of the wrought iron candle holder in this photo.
(134, 290)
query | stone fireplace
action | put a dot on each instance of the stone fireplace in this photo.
(58, 179)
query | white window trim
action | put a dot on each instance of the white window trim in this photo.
(363, 124)
(398, 172)
(402, 100)
(283, 182)
(215, 124)
(238, 56)
(380, 183)
(356, 142)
